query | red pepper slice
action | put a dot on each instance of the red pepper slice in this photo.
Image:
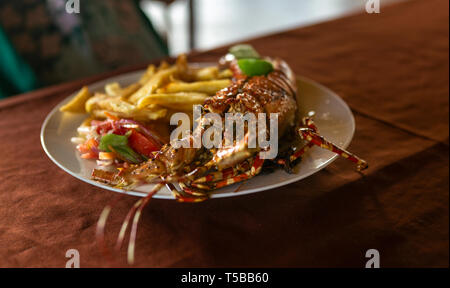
(141, 144)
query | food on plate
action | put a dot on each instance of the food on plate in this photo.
(141, 111)
(77, 103)
(128, 128)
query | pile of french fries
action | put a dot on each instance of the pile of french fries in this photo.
(160, 92)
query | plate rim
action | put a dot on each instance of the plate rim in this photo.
(213, 195)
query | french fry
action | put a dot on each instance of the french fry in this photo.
(130, 89)
(93, 103)
(100, 114)
(156, 113)
(182, 64)
(118, 105)
(180, 100)
(101, 104)
(139, 115)
(151, 70)
(160, 92)
(164, 65)
(207, 73)
(155, 82)
(225, 74)
(208, 87)
(76, 105)
(173, 79)
(114, 90)
(184, 72)
(102, 101)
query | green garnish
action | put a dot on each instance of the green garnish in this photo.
(119, 145)
(254, 67)
(128, 154)
(112, 140)
(242, 51)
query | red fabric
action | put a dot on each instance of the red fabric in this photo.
(392, 69)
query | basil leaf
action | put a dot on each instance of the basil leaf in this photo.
(112, 140)
(119, 145)
(128, 154)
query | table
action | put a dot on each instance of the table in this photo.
(391, 68)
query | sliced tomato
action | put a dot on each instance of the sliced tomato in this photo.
(88, 149)
(92, 142)
(142, 144)
(89, 155)
(119, 130)
(102, 127)
(83, 148)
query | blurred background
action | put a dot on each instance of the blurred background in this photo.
(46, 42)
(220, 22)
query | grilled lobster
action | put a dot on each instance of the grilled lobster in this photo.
(199, 170)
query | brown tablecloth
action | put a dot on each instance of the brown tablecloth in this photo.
(391, 68)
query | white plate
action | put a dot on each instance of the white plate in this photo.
(332, 116)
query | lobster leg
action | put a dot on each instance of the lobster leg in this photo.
(254, 170)
(137, 215)
(224, 174)
(215, 176)
(309, 134)
(297, 154)
(306, 122)
(193, 195)
(229, 176)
